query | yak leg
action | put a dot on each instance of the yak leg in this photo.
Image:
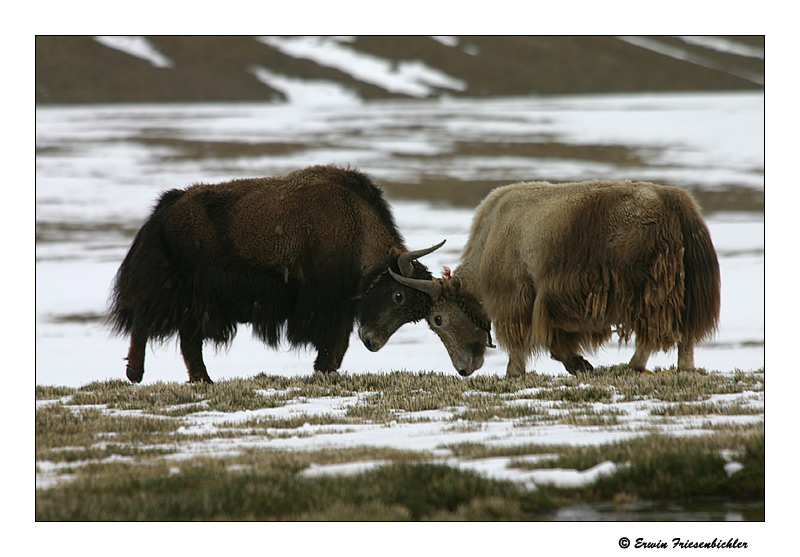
(513, 333)
(516, 363)
(640, 357)
(573, 363)
(513, 339)
(331, 351)
(564, 349)
(685, 356)
(192, 350)
(135, 368)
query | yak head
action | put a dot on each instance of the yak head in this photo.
(385, 304)
(457, 318)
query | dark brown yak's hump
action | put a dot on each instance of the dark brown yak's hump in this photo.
(359, 183)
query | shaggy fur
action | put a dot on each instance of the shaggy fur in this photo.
(561, 267)
(286, 254)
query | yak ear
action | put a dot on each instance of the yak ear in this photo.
(451, 285)
(394, 253)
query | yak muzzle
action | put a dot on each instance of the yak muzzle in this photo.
(467, 364)
(372, 341)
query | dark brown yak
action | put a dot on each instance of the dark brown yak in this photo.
(302, 256)
(559, 267)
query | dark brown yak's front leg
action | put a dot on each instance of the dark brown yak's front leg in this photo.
(192, 350)
(331, 350)
(135, 368)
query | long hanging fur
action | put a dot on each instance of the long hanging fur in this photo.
(701, 302)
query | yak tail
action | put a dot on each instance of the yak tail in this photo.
(146, 253)
(701, 269)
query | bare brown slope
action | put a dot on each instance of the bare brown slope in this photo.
(79, 69)
(554, 65)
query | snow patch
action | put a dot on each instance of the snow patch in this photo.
(346, 469)
(495, 468)
(136, 46)
(453, 42)
(732, 467)
(306, 92)
(573, 478)
(726, 46)
(446, 40)
(410, 78)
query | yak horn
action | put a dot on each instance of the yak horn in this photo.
(429, 287)
(405, 260)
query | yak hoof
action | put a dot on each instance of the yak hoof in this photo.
(641, 369)
(579, 365)
(135, 374)
(201, 379)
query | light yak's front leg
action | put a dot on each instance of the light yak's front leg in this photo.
(640, 357)
(685, 356)
(516, 363)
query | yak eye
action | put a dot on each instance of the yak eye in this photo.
(398, 298)
(438, 320)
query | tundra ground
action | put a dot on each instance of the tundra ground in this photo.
(399, 446)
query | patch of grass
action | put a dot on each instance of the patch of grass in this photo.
(264, 485)
(59, 426)
(577, 394)
(46, 392)
(400, 491)
(583, 457)
(123, 395)
(651, 467)
(176, 398)
(618, 154)
(100, 451)
(189, 149)
(671, 385)
(499, 412)
(288, 422)
(735, 408)
(591, 417)
(371, 413)
(474, 451)
(680, 470)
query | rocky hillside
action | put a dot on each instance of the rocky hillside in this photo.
(178, 69)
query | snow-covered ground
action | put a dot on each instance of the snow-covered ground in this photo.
(94, 174)
(433, 431)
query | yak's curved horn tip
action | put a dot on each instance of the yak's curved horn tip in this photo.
(405, 260)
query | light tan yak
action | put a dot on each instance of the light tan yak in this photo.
(561, 267)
